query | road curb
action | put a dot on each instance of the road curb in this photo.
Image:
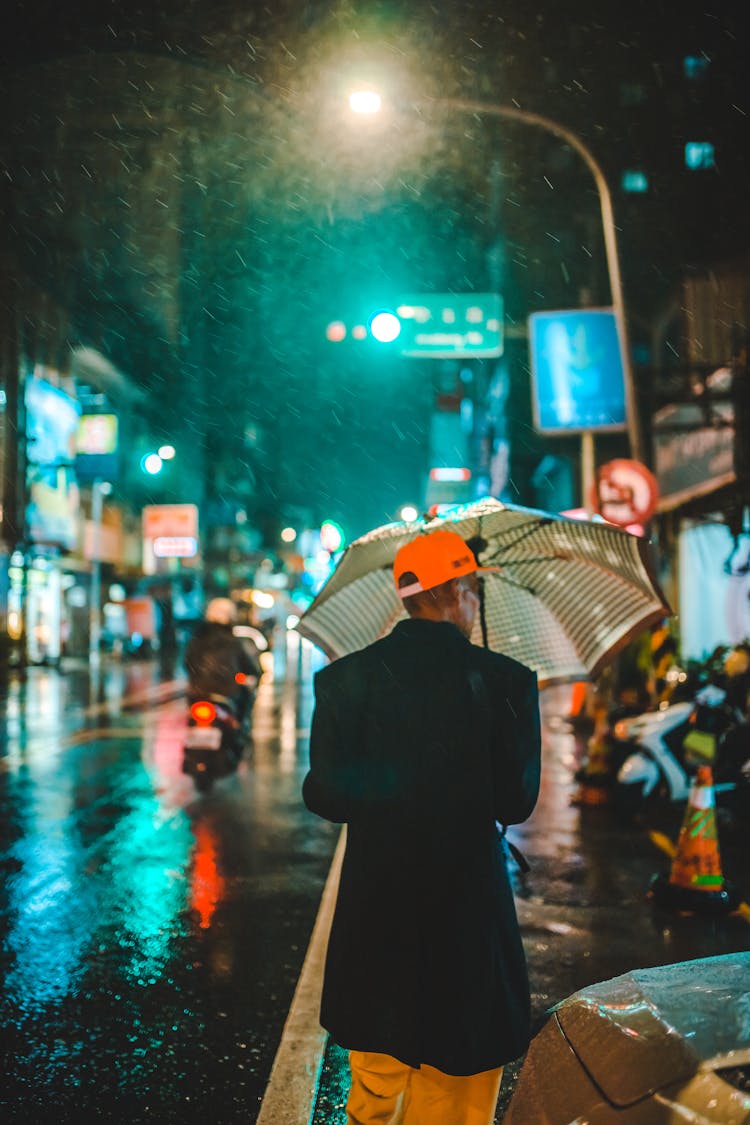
(293, 1085)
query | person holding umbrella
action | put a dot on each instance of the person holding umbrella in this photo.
(421, 743)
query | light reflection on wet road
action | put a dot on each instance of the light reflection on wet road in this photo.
(151, 938)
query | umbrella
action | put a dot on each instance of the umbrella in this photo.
(563, 595)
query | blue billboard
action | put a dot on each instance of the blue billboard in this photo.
(576, 371)
(51, 425)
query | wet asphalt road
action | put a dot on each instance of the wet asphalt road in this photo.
(151, 939)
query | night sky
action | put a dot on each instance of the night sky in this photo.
(184, 180)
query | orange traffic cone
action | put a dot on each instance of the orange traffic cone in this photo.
(696, 884)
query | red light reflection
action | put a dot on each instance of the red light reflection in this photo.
(208, 885)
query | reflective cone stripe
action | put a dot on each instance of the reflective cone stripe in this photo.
(697, 863)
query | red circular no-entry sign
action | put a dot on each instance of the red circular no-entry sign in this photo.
(625, 492)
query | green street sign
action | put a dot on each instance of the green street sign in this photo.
(449, 325)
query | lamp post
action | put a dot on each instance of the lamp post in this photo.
(361, 104)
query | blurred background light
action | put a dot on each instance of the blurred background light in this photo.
(365, 101)
(331, 536)
(151, 464)
(336, 331)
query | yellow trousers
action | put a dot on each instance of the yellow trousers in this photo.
(385, 1091)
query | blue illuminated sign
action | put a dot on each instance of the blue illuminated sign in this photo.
(577, 376)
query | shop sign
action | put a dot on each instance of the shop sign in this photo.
(102, 542)
(140, 615)
(175, 547)
(165, 521)
(96, 447)
(97, 434)
(692, 459)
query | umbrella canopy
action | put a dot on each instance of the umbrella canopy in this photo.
(563, 595)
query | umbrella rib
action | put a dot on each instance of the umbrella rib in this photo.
(533, 559)
(513, 581)
(560, 556)
(524, 535)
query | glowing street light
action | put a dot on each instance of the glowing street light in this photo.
(365, 101)
(166, 452)
(409, 513)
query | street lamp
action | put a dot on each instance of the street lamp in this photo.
(365, 101)
(359, 101)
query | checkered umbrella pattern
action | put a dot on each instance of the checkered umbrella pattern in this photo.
(562, 596)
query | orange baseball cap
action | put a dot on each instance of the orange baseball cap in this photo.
(434, 558)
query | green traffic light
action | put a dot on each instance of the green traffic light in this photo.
(385, 326)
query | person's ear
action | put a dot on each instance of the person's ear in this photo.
(454, 591)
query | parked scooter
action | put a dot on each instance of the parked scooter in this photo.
(657, 753)
(217, 734)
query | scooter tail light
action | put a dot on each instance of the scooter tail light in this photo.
(203, 712)
(621, 730)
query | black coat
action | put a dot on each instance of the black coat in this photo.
(213, 658)
(425, 960)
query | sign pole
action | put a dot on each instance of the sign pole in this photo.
(587, 470)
